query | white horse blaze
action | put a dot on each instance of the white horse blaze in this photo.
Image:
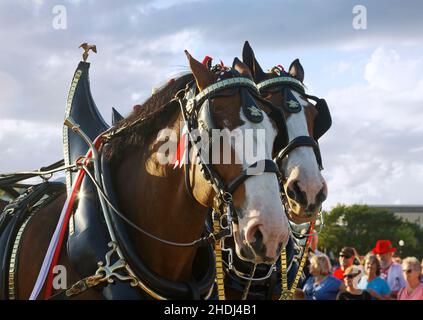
(263, 204)
(301, 163)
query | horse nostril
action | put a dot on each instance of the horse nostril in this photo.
(321, 196)
(311, 207)
(258, 236)
(257, 243)
(294, 192)
(254, 234)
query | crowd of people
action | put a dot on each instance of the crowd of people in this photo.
(376, 276)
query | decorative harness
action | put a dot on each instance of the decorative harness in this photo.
(196, 113)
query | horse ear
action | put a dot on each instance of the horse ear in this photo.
(296, 70)
(242, 68)
(203, 76)
(249, 59)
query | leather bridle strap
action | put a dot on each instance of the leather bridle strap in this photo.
(268, 166)
(301, 141)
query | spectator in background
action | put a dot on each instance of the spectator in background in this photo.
(346, 260)
(375, 285)
(414, 290)
(391, 271)
(351, 277)
(313, 244)
(397, 259)
(321, 285)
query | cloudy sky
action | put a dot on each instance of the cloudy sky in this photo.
(372, 78)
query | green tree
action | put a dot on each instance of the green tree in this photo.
(360, 226)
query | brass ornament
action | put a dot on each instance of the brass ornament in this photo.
(254, 111)
(87, 47)
(293, 104)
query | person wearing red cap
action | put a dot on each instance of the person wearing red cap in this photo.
(391, 271)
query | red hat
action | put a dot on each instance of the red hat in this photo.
(383, 246)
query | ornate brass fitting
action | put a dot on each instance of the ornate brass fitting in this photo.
(107, 272)
(87, 47)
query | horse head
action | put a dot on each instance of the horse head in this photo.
(300, 162)
(236, 120)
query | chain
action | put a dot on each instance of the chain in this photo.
(288, 294)
(247, 287)
(220, 281)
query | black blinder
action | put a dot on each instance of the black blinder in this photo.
(291, 103)
(278, 117)
(249, 107)
(323, 120)
(205, 119)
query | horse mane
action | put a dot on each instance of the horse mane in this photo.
(135, 130)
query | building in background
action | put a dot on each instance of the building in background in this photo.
(410, 213)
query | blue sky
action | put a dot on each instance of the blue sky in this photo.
(372, 78)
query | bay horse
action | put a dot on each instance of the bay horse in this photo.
(152, 195)
(304, 188)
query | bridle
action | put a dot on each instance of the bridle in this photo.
(196, 113)
(285, 83)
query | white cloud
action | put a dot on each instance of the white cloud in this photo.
(373, 152)
(387, 71)
(374, 179)
(166, 4)
(27, 145)
(389, 95)
(156, 5)
(136, 96)
(9, 90)
(177, 42)
(343, 66)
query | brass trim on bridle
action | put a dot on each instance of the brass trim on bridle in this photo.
(280, 80)
(224, 84)
(14, 258)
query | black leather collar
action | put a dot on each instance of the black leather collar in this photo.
(197, 288)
